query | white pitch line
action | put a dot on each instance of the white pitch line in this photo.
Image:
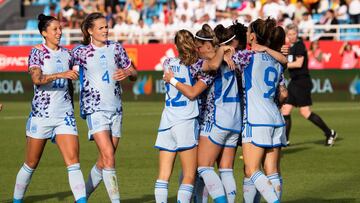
(344, 108)
(347, 108)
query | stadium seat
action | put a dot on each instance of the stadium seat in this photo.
(42, 2)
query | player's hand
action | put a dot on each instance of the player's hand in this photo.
(168, 74)
(285, 50)
(121, 74)
(70, 74)
(228, 49)
(258, 48)
(229, 61)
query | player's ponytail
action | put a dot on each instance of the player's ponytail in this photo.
(262, 30)
(87, 24)
(206, 34)
(185, 45)
(277, 38)
(224, 35)
(240, 31)
(44, 22)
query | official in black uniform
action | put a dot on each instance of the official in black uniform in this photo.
(299, 88)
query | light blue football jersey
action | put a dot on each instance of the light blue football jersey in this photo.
(227, 112)
(177, 106)
(260, 79)
(51, 99)
(98, 90)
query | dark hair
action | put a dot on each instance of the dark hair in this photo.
(185, 44)
(240, 32)
(89, 23)
(223, 34)
(206, 33)
(277, 38)
(44, 22)
(262, 30)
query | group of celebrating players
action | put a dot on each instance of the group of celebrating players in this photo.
(218, 95)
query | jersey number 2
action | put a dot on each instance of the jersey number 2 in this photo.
(175, 101)
(230, 76)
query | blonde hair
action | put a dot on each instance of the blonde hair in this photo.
(185, 44)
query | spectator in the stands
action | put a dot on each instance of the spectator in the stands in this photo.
(315, 56)
(349, 56)
(300, 10)
(354, 11)
(329, 19)
(306, 26)
(341, 12)
(150, 11)
(157, 29)
(273, 9)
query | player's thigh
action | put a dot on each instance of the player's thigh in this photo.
(69, 148)
(252, 156)
(188, 160)
(34, 150)
(226, 159)
(207, 151)
(272, 161)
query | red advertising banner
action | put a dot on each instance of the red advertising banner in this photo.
(327, 56)
(145, 57)
(150, 57)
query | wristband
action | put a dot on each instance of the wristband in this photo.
(173, 82)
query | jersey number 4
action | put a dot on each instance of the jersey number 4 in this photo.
(106, 77)
(270, 79)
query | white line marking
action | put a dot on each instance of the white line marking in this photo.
(345, 108)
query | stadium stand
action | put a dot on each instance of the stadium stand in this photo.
(141, 21)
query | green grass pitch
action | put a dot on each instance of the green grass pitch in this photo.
(311, 171)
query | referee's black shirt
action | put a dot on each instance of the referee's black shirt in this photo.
(299, 49)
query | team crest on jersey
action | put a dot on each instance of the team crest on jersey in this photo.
(33, 129)
(96, 124)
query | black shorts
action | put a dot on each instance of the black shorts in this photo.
(299, 92)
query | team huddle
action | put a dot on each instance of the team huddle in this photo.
(219, 95)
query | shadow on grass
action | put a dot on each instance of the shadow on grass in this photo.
(292, 150)
(58, 197)
(319, 142)
(146, 199)
(315, 200)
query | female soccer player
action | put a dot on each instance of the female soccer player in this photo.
(102, 64)
(179, 128)
(52, 114)
(263, 133)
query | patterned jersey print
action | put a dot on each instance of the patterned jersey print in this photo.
(52, 99)
(98, 90)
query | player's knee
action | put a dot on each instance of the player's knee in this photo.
(189, 178)
(164, 175)
(226, 164)
(108, 159)
(270, 169)
(249, 171)
(305, 113)
(32, 163)
(71, 159)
